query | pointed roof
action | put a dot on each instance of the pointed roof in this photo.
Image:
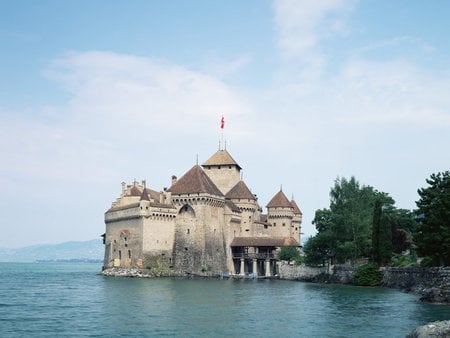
(240, 191)
(279, 201)
(195, 181)
(221, 157)
(144, 196)
(297, 210)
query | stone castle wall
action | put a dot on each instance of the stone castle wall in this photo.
(123, 248)
(224, 178)
(432, 284)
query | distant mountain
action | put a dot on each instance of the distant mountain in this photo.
(68, 251)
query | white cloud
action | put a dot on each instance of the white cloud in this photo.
(303, 25)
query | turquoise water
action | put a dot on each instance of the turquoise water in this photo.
(60, 300)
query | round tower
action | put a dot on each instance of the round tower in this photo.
(280, 214)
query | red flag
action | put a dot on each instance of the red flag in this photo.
(222, 122)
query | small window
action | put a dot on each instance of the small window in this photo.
(188, 231)
(185, 249)
(265, 226)
(247, 229)
(120, 254)
(129, 254)
(229, 167)
(284, 224)
(274, 224)
(126, 245)
(218, 167)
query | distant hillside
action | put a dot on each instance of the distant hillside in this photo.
(87, 250)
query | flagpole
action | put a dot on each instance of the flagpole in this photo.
(222, 125)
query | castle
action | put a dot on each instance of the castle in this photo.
(208, 222)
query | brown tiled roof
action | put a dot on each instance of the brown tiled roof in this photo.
(240, 191)
(134, 191)
(279, 201)
(195, 181)
(153, 194)
(264, 241)
(221, 157)
(232, 206)
(297, 210)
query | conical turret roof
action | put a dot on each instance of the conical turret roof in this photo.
(144, 196)
(195, 181)
(279, 201)
(221, 157)
(240, 191)
(297, 210)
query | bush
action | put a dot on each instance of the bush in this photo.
(367, 275)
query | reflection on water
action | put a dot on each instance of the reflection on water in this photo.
(69, 299)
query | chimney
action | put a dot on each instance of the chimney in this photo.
(174, 179)
(123, 188)
(144, 184)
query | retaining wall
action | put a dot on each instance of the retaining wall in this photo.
(432, 284)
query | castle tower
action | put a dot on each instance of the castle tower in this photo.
(223, 170)
(280, 214)
(296, 221)
(199, 230)
(242, 197)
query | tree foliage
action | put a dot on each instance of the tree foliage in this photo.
(432, 237)
(345, 229)
(288, 253)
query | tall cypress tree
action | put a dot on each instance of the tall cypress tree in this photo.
(381, 234)
(376, 232)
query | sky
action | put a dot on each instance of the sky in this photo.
(93, 93)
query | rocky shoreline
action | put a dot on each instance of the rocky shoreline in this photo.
(434, 329)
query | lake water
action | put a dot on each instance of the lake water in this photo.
(58, 300)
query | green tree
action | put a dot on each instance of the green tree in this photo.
(376, 227)
(433, 230)
(344, 230)
(288, 253)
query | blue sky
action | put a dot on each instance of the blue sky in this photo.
(93, 93)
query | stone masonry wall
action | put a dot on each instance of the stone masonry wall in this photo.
(432, 284)
(299, 272)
